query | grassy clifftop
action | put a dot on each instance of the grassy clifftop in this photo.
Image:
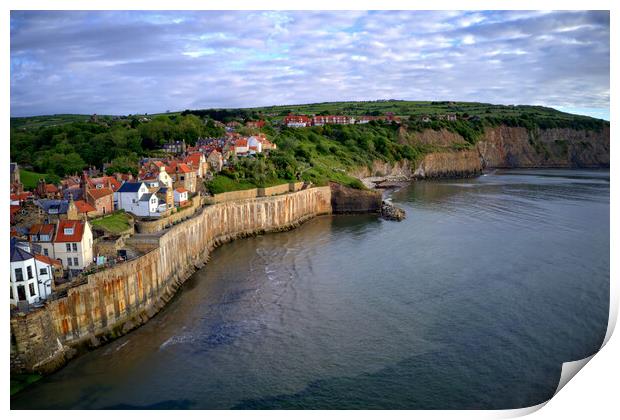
(57, 145)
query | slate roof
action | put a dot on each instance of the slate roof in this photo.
(146, 197)
(53, 206)
(130, 187)
(18, 254)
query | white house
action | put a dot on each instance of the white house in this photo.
(164, 178)
(31, 279)
(254, 145)
(180, 196)
(135, 198)
(73, 244)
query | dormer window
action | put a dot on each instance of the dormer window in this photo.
(68, 231)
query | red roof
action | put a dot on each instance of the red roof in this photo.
(40, 229)
(181, 167)
(83, 207)
(14, 209)
(296, 119)
(194, 159)
(20, 197)
(241, 143)
(181, 190)
(50, 188)
(98, 193)
(76, 236)
(47, 260)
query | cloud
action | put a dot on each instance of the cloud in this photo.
(145, 61)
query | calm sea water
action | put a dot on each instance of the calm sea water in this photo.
(474, 301)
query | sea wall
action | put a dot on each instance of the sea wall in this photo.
(119, 299)
(254, 193)
(152, 226)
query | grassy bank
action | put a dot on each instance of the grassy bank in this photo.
(114, 223)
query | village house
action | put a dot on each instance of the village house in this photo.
(102, 199)
(85, 209)
(180, 196)
(198, 162)
(176, 147)
(241, 147)
(255, 124)
(297, 121)
(135, 198)
(52, 210)
(165, 195)
(254, 145)
(73, 244)
(182, 176)
(31, 275)
(44, 190)
(69, 241)
(320, 120)
(215, 161)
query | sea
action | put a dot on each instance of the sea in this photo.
(474, 301)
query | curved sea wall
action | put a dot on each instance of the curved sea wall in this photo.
(119, 299)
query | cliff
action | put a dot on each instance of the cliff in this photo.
(504, 147)
(516, 147)
(119, 299)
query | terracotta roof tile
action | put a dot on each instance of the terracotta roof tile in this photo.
(76, 236)
(83, 207)
(98, 193)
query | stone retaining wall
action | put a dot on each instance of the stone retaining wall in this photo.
(119, 299)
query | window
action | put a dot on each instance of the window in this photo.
(69, 261)
(68, 245)
(19, 275)
(31, 289)
(45, 252)
(68, 231)
(74, 247)
(75, 261)
(11, 292)
(29, 271)
(43, 271)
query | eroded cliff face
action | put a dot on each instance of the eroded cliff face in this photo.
(509, 147)
(116, 300)
(516, 147)
(449, 164)
(381, 168)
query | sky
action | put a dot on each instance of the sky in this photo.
(129, 62)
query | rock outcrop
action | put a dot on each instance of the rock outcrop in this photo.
(351, 200)
(391, 212)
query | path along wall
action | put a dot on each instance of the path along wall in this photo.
(121, 298)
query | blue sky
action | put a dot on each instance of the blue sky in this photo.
(125, 62)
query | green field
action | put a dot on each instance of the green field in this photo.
(30, 178)
(114, 223)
